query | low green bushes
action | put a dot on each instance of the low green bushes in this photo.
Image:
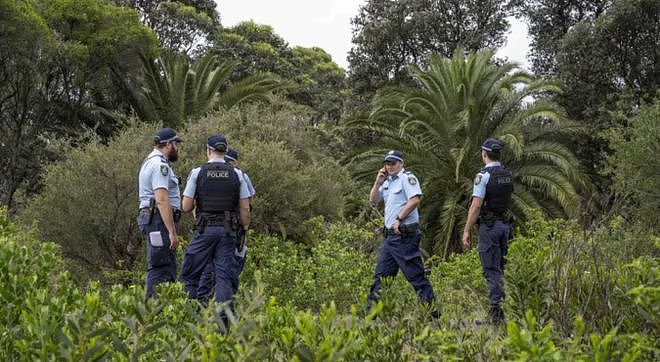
(306, 302)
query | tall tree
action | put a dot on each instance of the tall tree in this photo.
(256, 48)
(440, 124)
(389, 35)
(318, 82)
(548, 22)
(24, 114)
(173, 89)
(184, 26)
(62, 67)
(609, 61)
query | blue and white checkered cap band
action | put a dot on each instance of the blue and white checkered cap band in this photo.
(393, 158)
(231, 158)
(486, 148)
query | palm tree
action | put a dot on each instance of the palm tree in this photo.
(172, 89)
(441, 123)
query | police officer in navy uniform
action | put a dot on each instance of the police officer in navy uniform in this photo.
(205, 288)
(215, 191)
(400, 191)
(491, 198)
(160, 205)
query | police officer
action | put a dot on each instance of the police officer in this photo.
(215, 191)
(160, 205)
(491, 198)
(401, 193)
(232, 159)
(206, 281)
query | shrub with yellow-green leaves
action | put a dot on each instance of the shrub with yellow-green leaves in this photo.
(307, 304)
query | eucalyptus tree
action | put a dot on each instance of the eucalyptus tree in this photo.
(184, 26)
(388, 35)
(440, 123)
(173, 89)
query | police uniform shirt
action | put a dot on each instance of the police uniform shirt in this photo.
(395, 193)
(191, 184)
(481, 180)
(156, 173)
(248, 182)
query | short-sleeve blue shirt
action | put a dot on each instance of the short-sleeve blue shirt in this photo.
(191, 183)
(156, 173)
(246, 178)
(395, 193)
(481, 180)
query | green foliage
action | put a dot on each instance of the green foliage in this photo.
(441, 123)
(318, 82)
(63, 64)
(100, 194)
(561, 272)
(548, 22)
(293, 179)
(174, 90)
(47, 317)
(605, 51)
(532, 342)
(390, 35)
(313, 276)
(633, 167)
(183, 26)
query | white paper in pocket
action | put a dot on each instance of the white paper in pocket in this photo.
(241, 253)
(155, 238)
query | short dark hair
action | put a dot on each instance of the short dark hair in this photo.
(494, 156)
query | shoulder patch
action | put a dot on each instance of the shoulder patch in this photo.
(412, 180)
(477, 179)
(164, 170)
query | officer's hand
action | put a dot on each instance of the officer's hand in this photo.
(382, 173)
(395, 227)
(466, 240)
(174, 241)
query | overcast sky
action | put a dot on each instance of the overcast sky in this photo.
(327, 24)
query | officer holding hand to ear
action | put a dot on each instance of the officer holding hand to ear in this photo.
(400, 191)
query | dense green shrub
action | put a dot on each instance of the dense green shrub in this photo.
(89, 201)
(561, 272)
(635, 166)
(330, 270)
(286, 308)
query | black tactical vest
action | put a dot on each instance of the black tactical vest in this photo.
(218, 189)
(498, 191)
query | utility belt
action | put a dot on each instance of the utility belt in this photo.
(153, 210)
(405, 229)
(490, 218)
(227, 219)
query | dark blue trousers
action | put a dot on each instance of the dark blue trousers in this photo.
(161, 261)
(493, 247)
(206, 281)
(402, 253)
(216, 247)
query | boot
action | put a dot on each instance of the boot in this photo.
(496, 315)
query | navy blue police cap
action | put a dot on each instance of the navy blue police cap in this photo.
(232, 155)
(393, 155)
(215, 143)
(165, 135)
(492, 145)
